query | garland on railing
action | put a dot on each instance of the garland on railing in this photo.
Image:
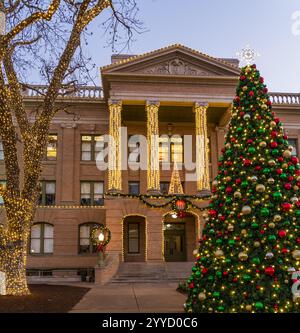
(169, 200)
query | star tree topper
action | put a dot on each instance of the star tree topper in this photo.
(248, 55)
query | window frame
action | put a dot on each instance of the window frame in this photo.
(43, 193)
(138, 238)
(93, 143)
(56, 148)
(92, 192)
(134, 182)
(91, 246)
(170, 146)
(41, 239)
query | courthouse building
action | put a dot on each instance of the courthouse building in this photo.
(171, 91)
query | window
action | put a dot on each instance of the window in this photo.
(164, 187)
(134, 188)
(41, 239)
(171, 148)
(47, 195)
(91, 193)
(1, 152)
(294, 144)
(133, 149)
(52, 148)
(92, 148)
(133, 238)
(2, 184)
(85, 243)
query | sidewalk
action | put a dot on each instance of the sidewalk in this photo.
(132, 298)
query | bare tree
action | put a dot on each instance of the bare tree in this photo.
(47, 37)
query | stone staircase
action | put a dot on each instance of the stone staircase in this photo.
(152, 272)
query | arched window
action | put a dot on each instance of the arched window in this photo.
(85, 243)
(41, 238)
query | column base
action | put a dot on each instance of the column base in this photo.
(114, 191)
(153, 192)
(203, 193)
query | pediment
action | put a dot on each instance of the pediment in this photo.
(176, 60)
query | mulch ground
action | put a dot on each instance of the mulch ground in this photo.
(43, 299)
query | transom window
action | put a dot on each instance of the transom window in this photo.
(92, 148)
(85, 242)
(294, 144)
(164, 187)
(1, 151)
(52, 148)
(41, 238)
(171, 149)
(47, 194)
(134, 188)
(91, 193)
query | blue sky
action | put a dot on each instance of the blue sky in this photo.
(220, 28)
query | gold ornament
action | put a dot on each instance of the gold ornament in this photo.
(260, 188)
(272, 124)
(249, 307)
(246, 210)
(214, 183)
(287, 154)
(230, 227)
(254, 179)
(272, 162)
(263, 144)
(296, 254)
(219, 254)
(244, 232)
(296, 188)
(285, 165)
(271, 181)
(237, 195)
(290, 148)
(256, 244)
(201, 297)
(243, 256)
(277, 218)
(272, 225)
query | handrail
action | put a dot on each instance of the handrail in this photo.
(285, 98)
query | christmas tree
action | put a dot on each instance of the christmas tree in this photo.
(250, 246)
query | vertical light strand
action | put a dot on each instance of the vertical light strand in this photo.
(202, 147)
(114, 160)
(153, 175)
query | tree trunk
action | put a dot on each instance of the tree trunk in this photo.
(14, 264)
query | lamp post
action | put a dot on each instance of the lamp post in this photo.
(101, 238)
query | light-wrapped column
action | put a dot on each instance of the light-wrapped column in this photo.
(202, 147)
(114, 158)
(153, 176)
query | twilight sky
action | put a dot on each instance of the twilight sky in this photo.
(221, 28)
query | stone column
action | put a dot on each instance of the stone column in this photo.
(202, 149)
(153, 175)
(114, 158)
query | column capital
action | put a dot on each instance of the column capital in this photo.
(150, 103)
(116, 102)
(200, 105)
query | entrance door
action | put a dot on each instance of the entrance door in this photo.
(175, 245)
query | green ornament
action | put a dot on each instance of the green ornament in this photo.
(251, 150)
(219, 274)
(231, 242)
(264, 212)
(277, 195)
(272, 239)
(228, 261)
(221, 308)
(256, 261)
(203, 259)
(275, 152)
(219, 242)
(229, 152)
(266, 171)
(291, 168)
(239, 129)
(283, 176)
(254, 225)
(244, 184)
(210, 278)
(246, 277)
(198, 274)
(194, 269)
(212, 231)
(228, 201)
(259, 306)
(216, 294)
(261, 131)
(297, 212)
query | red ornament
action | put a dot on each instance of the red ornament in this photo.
(279, 171)
(258, 167)
(284, 251)
(250, 141)
(247, 163)
(251, 93)
(274, 144)
(287, 186)
(286, 206)
(243, 77)
(225, 274)
(274, 134)
(270, 271)
(180, 204)
(277, 120)
(204, 271)
(238, 181)
(191, 285)
(282, 233)
(261, 79)
(228, 190)
(280, 159)
(294, 160)
(235, 280)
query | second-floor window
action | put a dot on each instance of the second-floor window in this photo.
(91, 193)
(1, 151)
(51, 153)
(294, 144)
(2, 184)
(164, 187)
(171, 149)
(134, 188)
(47, 194)
(92, 148)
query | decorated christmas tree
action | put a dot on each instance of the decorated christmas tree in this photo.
(250, 247)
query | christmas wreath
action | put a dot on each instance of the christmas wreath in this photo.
(101, 244)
